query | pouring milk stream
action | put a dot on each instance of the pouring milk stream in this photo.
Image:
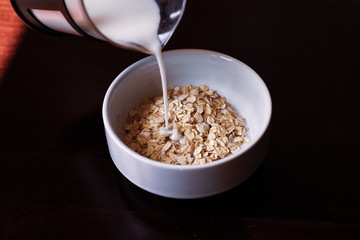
(135, 21)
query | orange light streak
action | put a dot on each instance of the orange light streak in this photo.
(11, 32)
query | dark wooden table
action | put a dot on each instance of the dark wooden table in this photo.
(57, 180)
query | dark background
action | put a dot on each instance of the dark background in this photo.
(57, 180)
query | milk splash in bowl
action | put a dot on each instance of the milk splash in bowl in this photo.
(133, 24)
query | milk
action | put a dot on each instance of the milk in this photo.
(129, 22)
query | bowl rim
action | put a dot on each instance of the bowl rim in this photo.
(123, 146)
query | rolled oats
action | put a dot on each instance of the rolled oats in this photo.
(208, 127)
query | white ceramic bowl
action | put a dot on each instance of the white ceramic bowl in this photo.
(241, 86)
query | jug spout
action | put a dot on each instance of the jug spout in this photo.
(171, 13)
(136, 24)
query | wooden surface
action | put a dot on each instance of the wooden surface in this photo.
(57, 180)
